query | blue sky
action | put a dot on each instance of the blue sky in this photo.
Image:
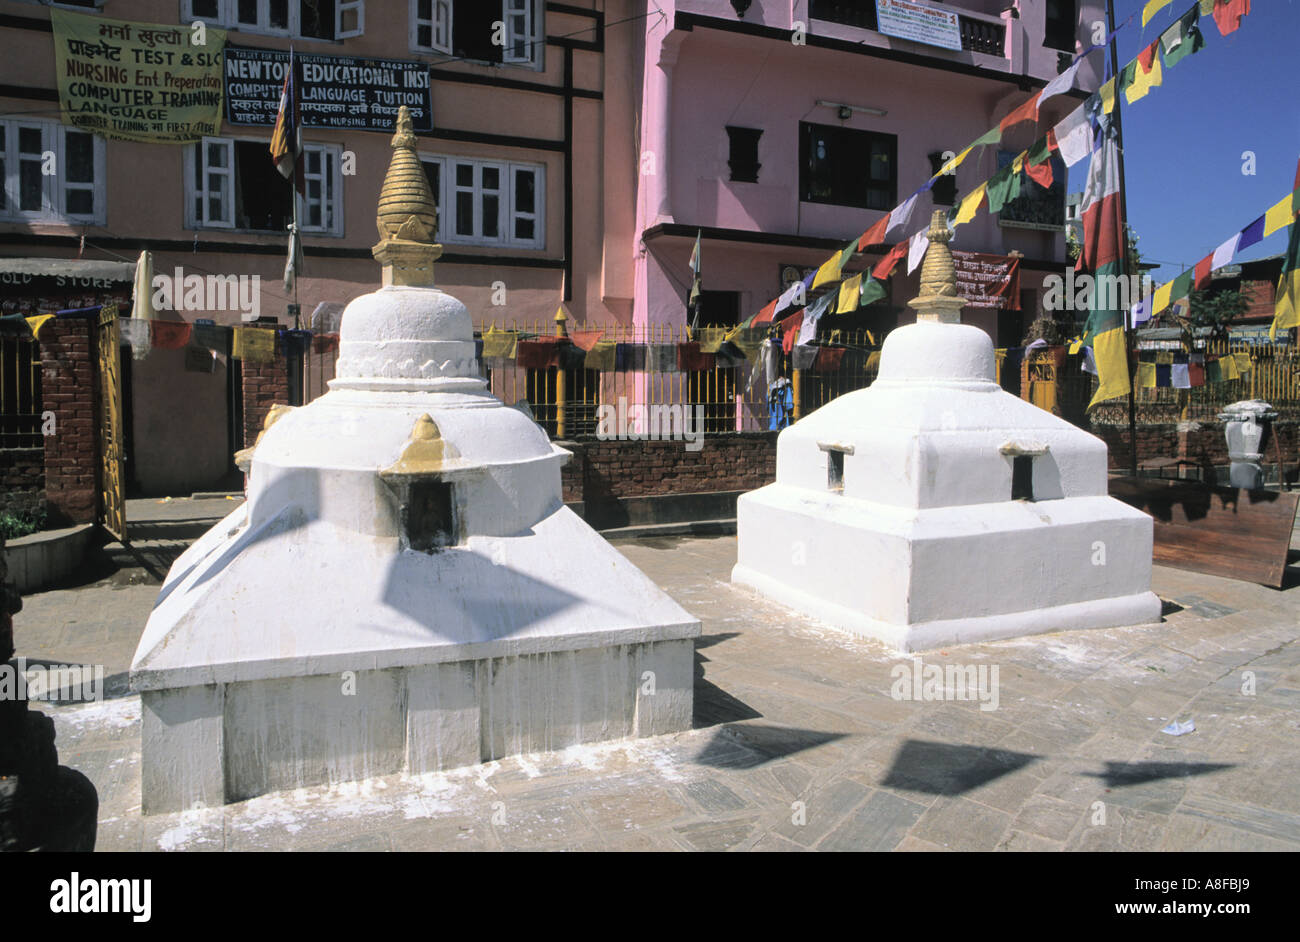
(1183, 142)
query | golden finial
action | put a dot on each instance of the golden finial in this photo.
(407, 217)
(938, 300)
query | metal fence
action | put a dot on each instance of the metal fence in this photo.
(728, 401)
(1268, 371)
(20, 393)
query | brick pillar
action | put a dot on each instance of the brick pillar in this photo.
(68, 389)
(264, 385)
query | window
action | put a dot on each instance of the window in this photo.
(306, 19)
(232, 184)
(1061, 24)
(944, 190)
(860, 13)
(1022, 477)
(50, 173)
(847, 167)
(743, 154)
(470, 30)
(1035, 207)
(483, 202)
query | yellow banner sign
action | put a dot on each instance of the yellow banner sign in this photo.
(138, 81)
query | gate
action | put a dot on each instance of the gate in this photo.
(112, 486)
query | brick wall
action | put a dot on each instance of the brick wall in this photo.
(68, 389)
(1203, 444)
(22, 480)
(264, 385)
(611, 470)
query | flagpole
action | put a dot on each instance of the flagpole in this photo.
(1129, 327)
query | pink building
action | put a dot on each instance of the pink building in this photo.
(781, 130)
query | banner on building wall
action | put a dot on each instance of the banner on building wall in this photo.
(138, 81)
(919, 22)
(339, 92)
(991, 281)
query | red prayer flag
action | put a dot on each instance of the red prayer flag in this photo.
(1228, 14)
(886, 264)
(691, 360)
(1202, 274)
(790, 330)
(1040, 173)
(170, 335)
(586, 339)
(764, 316)
(875, 235)
(324, 343)
(1026, 112)
(1147, 57)
(538, 353)
(828, 359)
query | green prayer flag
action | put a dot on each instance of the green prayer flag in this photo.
(1182, 39)
(872, 291)
(998, 188)
(1038, 152)
(990, 137)
(1182, 285)
(1127, 77)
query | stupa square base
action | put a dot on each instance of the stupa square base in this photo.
(921, 579)
(220, 743)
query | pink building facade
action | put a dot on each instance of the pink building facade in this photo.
(848, 122)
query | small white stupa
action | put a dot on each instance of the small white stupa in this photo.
(404, 589)
(934, 508)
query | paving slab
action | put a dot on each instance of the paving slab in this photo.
(800, 739)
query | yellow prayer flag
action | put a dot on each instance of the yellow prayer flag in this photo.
(1107, 93)
(1162, 298)
(1143, 82)
(829, 272)
(500, 343)
(1278, 216)
(850, 292)
(1018, 165)
(254, 344)
(1110, 351)
(955, 162)
(1146, 377)
(966, 212)
(37, 322)
(1152, 8)
(1286, 310)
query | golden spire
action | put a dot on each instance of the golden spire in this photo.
(407, 217)
(938, 300)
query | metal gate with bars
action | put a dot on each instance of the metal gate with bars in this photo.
(112, 483)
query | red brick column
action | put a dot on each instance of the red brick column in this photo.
(264, 385)
(68, 390)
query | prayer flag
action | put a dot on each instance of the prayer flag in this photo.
(875, 235)
(1225, 252)
(1145, 79)
(916, 249)
(1251, 234)
(1101, 254)
(872, 291)
(850, 293)
(1279, 215)
(1228, 14)
(1074, 135)
(1286, 307)
(886, 264)
(900, 216)
(969, 205)
(1152, 7)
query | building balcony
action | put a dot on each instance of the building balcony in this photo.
(984, 34)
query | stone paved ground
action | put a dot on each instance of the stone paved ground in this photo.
(798, 744)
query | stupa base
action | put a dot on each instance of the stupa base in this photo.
(216, 744)
(257, 676)
(922, 579)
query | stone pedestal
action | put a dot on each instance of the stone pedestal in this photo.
(1246, 428)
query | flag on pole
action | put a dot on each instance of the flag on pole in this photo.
(1103, 245)
(286, 137)
(693, 302)
(1286, 306)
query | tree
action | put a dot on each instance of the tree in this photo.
(1216, 310)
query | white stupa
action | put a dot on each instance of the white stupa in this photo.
(934, 508)
(404, 589)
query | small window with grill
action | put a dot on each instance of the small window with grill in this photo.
(743, 154)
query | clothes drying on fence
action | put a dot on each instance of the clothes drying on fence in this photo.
(780, 404)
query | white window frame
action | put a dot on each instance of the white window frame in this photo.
(54, 187)
(506, 215)
(196, 180)
(522, 18)
(228, 18)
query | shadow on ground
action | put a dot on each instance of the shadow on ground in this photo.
(937, 768)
